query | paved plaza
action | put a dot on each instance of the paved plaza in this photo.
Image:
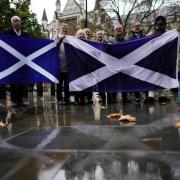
(49, 141)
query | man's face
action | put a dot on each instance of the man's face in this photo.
(160, 25)
(118, 31)
(88, 33)
(137, 27)
(16, 24)
(99, 36)
(64, 30)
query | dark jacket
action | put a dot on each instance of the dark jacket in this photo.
(17, 90)
(115, 40)
(136, 35)
(11, 32)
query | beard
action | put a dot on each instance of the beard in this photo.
(160, 27)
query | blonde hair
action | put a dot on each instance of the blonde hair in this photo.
(64, 24)
(79, 32)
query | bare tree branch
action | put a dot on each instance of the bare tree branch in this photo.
(144, 11)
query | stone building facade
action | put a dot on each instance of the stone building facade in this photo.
(71, 12)
(74, 15)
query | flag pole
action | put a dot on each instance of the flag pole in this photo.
(86, 20)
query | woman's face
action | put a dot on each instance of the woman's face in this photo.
(81, 35)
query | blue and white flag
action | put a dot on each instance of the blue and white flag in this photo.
(144, 64)
(28, 60)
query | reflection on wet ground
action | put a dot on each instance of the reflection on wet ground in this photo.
(48, 141)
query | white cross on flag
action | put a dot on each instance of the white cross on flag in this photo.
(144, 64)
(28, 60)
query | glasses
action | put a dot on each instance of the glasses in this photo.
(117, 29)
(17, 20)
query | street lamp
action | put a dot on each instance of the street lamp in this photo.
(86, 20)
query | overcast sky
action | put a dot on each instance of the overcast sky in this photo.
(37, 6)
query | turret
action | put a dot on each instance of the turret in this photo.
(97, 5)
(44, 19)
(81, 3)
(58, 6)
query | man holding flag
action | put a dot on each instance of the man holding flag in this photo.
(26, 60)
(118, 38)
(159, 28)
(63, 84)
(16, 90)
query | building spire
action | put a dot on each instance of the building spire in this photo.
(58, 6)
(81, 3)
(44, 17)
(97, 5)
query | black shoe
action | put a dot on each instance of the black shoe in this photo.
(137, 100)
(15, 105)
(19, 105)
(76, 103)
(82, 103)
(63, 103)
(90, 102)
(112, 101)
(126, 101)
(164, 99)
(149, 100)
(24, 105)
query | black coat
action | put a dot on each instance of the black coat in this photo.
(134, 35)
(11, 32)
(17, 91)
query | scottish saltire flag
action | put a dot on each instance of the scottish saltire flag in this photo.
(144, 64)
(28, 60)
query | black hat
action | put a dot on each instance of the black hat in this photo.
(160, 17)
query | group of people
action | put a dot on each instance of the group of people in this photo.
(18, 91)
(100, 36)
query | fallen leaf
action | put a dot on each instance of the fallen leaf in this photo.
(177, 125)
(120, 117)
(19, 113)
(114, 116)
(126, 124)
(3, 124)
(127, 118)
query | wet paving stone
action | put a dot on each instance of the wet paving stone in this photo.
(48, 141)
(94, 165)
(30, 139)
(7, 160)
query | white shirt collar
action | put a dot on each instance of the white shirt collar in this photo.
(18, 33)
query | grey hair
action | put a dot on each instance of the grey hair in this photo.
(64, 24)
(15, 17)
(118, 26)
(100, 31)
